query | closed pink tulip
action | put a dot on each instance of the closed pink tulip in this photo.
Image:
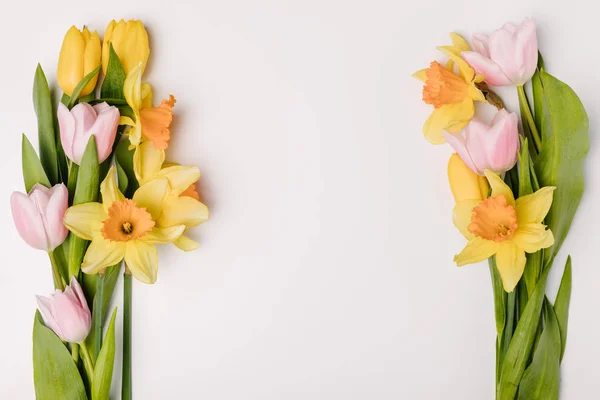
(67, 313)
(491, 147)
(507, 56)
(77, 125)
(39, 215)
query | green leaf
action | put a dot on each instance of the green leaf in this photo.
(33, 172)
(115, 77)
(564, 125)
(561, 305)
(80, 86)
(521, 344)
(124, 157)
(103, 369)
(541, 380)
(55, 374)
(42, 103)
(122, 177)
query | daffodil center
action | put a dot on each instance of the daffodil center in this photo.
(443, 87)
(493, 219)
(126, 221)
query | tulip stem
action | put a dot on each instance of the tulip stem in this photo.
(529, 117)
(58, 282)
(75, 352)
(126, 392)
(88, 364)
(98, 305)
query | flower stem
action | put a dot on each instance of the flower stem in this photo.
(126, 393)
(98, 303)
(88, 364)
(75, 352)
(58, 281)
(529, 117)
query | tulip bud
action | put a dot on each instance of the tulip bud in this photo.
(67, 313)
(491, 147)
(77, 125)
(39, 215)
(130, 41)
(507, 56)
(80, 54)
(464, 183)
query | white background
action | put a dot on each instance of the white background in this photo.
(326, 269)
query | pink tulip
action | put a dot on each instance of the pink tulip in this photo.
(67, 313)
(484, 146)
(77, 125)
(39, 215)
(508, 56)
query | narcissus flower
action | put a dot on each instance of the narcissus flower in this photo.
(488, 146)
(503, 227)
(80, 54)
(464, 183)
(67, 313)
(121, 228)
(508, 56)
(130, 41)
(451, 95)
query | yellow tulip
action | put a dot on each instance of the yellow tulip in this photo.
(130, 41)
(80, 54)
(464, 183)
(504, 227)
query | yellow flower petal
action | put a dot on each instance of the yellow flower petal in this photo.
(142, 260)
(464, 183)
(500, 188)
(461, 216)
(534, 207)
(147, 161)
(132, 89)
(449, 117)
(478, 249)
(126, 121)
(110, 190)
(180, 177)
(186, 244)
(146, 96)
(152, 196)
(421, 75)
(102, 253)
(85, 220)
(465, 70)
(163, 235)
(459, 43)
(532, 237)
(183, 211)
(510, 261)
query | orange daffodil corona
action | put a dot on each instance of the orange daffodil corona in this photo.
(452, 96)
(500, 225)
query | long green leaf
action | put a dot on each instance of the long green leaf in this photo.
(42, 103)
(81, 85)
(521, 344)
(561, 305)
(112, 88)
(103, 369)
(33, 172)
(55, 374)
(124, 157)
(564, 125)
(541, 380)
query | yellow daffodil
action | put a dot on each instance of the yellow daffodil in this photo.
(79, 55)
(130, 41)
(464, 183)
(120, 228)
(451, 95)
(501, 226)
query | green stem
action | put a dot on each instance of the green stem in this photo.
(126, 393)
(75, 352)
(58, 281)
(529, 117)
(510, 320)
(98, 302)
(72, 181)
(88, 364)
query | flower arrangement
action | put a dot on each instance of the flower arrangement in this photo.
(98, 199)
(517, 183)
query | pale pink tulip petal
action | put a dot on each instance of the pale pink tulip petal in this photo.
(66, 124)
(492, 73)
(458, 143)
(479, 148)
(54, 215)
(480, 44)
(79, 293)
(503, 137)
(500, 115)
(526, 55)
(105, 131)
(28, 221)
(85, 116)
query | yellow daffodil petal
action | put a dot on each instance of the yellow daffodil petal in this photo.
(476, 250)
(465, 69)
(146, 96)
(132, 89)
(462, 214)
(499, 187)
(183, 211)
(180, 177)
(102, 253)
(421, 75)
(147, 161)
(532, 237)
(449, 117)
(85, 220)
(110, 190)
(186, 244)
(510, 260)
(534, 207)
(163, 235)
(152, 195)
(476, 94)
(459, 43)
(126, 121)
(464, 183)
(142, 260)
